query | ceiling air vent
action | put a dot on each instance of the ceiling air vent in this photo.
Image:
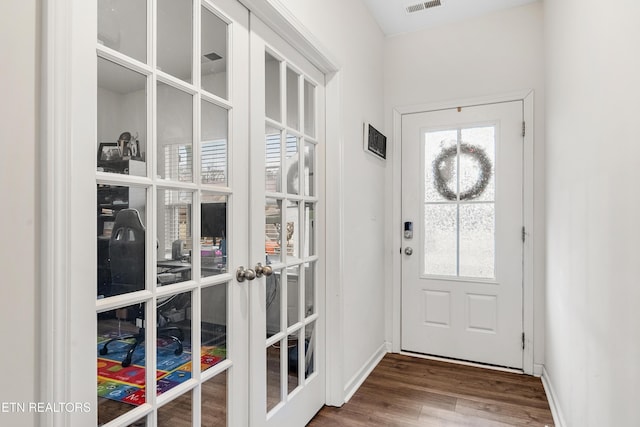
(422, 6)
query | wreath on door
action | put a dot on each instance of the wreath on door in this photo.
(443, 164)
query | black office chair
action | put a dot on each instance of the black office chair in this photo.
(127, 256)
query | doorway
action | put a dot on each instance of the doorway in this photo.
(463, 228)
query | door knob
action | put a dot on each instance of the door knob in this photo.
(408, 251)
(243, 274)
(263, 270)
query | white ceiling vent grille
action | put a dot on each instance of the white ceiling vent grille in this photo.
(422, 6)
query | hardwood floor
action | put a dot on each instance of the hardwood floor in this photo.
(409, 391)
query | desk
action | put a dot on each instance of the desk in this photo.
(208, 267)
(168, 269)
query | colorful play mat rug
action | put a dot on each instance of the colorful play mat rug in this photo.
(128, 384)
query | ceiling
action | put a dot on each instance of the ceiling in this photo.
(393, 18)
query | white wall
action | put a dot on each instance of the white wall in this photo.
(19, 110)
(593, 206)
(347, 30)
(490, 55)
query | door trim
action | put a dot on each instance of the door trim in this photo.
(528, 303)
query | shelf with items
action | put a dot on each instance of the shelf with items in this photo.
(126, 166)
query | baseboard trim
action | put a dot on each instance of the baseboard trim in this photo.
(537, 369)
(356, 381)
(558, 418)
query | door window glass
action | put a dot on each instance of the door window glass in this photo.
(459, 202)
(214, 144)
(293, 103)
(213, 327)
(175, 134)
(175, 38)
(121, 239)
(214, 55)
(213, 234)
(122, 119)
(272, 86)
(175, 239)
(122, 26)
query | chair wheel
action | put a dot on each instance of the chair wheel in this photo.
(104, 350)
(178, 351)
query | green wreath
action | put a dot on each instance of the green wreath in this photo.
(448, 155)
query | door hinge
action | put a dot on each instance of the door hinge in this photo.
(524, 234)
(523, 340)
(524, 129)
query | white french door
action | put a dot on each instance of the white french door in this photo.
(209, 141)
(462, 213)
(287, 327)
(172, 213)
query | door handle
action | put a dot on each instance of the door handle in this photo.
(243, 274)
(408, 251)
(263, 270)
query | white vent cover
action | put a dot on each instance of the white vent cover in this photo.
(422, 6)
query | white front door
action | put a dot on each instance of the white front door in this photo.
(462, 251)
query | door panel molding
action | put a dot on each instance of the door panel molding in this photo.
(529, 305)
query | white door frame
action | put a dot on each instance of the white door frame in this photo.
(64, 261)
(528, 273)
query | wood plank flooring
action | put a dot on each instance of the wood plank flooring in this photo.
(407, 391)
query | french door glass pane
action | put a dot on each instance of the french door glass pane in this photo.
(121, 239)
(309, 352)
(293, 175)
(309, 169)
(175, 238)
(440, 166)
(273, 230)
(213, 145)
(120, 361)
(214, 401)
(213, 327)
(293, 378)
(273, 160)
(292, 231)
(309, 109)
(293, 104)
(176, 413)
(175, 38)
(293, 293)
(122, 26)
(122, 119)
(213, 238)
(173, 355)
(214, 55)
(477, 245)
(440, 239)
(477, 160)
(309, 288)
(273, 104)
(309, 229)
(273, 374)
(273, 302)
(175, 133)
